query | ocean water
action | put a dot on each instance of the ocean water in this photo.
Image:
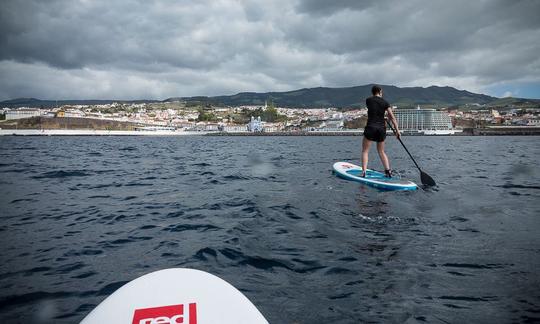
(81, 216)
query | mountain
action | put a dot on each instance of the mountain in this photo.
(433, 96)
(511, 102)
(350, 97)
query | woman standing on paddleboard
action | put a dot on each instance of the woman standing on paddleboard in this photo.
(375, 130)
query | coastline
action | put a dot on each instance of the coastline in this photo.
(92, 132)
(499, 131)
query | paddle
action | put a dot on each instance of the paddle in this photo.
(424, 177)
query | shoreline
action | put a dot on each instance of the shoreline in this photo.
(514, 131)
(91, 132)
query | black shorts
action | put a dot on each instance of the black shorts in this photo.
(375, 134)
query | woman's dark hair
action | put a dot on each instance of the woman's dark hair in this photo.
(375, 89)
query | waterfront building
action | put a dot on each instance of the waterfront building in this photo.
(333, 124)
(155, 128)
(255, 124)
(533, 122)
(234, 128)
(22, 113)
(73, 113)
(271, 128)
(184, 124)
(211, 127)
(426, 121)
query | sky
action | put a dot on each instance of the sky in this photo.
(156, 49)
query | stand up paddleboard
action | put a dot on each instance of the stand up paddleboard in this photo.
(373, 178)
(174, 296)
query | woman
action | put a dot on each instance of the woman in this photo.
(375, 130)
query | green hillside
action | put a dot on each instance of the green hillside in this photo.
(351, 97)
(322, 97)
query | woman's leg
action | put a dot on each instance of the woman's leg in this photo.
(366, 144)
(382, 155)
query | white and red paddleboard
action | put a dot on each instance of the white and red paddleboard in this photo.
(176, 296)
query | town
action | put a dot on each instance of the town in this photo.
(200, 117)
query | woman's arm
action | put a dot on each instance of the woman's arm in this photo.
(394, 121)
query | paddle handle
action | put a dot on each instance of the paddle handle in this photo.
(399, 139)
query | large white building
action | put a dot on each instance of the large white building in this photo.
(427, 121)
(22, 113)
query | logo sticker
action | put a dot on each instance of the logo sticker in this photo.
(173, 314)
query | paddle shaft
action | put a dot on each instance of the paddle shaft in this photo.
(399, 139)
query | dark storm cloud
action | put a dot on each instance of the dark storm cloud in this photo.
(135, 49)
(68, 34)
(413, 26)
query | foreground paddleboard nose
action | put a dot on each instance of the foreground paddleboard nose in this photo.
(174, 296)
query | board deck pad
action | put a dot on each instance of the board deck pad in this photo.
(174, 296)
(373, 178)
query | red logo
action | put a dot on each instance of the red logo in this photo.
(173, 314)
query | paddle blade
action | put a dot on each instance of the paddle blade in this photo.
(426, 179)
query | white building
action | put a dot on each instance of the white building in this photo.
(255, 125)
(74, 113)
(270, 128)
(235, 128)
(22, 113)
(423, 121)
(223, 110)
(211, 127)
(334, 124)
(533, 122)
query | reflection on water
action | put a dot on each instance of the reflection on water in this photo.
(81, 216)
